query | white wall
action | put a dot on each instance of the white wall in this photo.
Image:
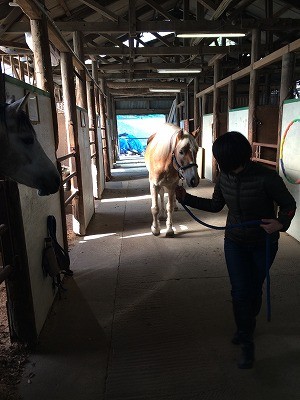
(207, 141)
(86, 170)
(35, 209)
(291, 158)
(238, 120)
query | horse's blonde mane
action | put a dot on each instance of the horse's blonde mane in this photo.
(164, 141)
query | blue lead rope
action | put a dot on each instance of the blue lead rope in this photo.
(268, 249)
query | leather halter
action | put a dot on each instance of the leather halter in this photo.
(181, 168)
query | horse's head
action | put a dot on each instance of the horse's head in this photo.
(21, 155)
(185, 153)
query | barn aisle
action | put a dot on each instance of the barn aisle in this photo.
(150, 317)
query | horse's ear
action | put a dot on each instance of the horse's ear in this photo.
(196, 132)
(19, 105)
(180, 134)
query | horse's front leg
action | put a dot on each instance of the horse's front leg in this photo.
(162, 211)
(154, 190)
(170, 209)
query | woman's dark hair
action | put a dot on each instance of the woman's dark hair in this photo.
(231, 151)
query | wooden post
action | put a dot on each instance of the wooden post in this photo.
(81, 94)
(104, 134)
(286, 90)
(253, 87)
(67, 77)
(216, 95)
(115, 128)
(196, 104)
(186, 103)
(231, 99)
(95, 108)
(110, 141)
(177, 116)
(93, 128)
(42, 65)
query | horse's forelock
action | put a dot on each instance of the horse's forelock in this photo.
(187, 138)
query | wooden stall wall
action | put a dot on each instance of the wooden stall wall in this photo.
(35, 209)
(267, 130)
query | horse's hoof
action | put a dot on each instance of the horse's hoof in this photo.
(155, 232)
(170, 234)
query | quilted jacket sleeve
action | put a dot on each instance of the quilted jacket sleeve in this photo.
(215, 204)
(277, 190)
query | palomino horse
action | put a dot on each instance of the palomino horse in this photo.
(170, 155)
(21, 156)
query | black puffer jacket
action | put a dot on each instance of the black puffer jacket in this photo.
(249, 195)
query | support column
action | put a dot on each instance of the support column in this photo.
(93, 130)
(177, 116)
(42, 65)
(72, 134)
(253, 87)
(286, 89)
(104, 133)
(196, 104)
(93, 109)
(231, 99)
(216, 95)
(81, 94)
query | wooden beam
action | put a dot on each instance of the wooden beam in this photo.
(145, 84)
(142, 66)
(167, 51)
(30, 9)
(208, 4)
(142, 111)
(222, 8)
(160, 9)
(8, 21)
(94, 5)
(279, 24)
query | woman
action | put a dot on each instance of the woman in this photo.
(250, 191)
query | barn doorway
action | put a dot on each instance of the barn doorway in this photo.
(134, 131)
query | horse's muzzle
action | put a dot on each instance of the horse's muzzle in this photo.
(46, 190)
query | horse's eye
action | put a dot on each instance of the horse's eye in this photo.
(181, 152)
(28, 140)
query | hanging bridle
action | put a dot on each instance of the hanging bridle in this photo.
(181, 168)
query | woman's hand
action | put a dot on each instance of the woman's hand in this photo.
(180, 193)
(271, 225)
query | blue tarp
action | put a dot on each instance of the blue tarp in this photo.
(128, 143)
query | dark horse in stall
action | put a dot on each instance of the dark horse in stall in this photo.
(21, 155)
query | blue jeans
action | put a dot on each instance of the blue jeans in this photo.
(246, 265)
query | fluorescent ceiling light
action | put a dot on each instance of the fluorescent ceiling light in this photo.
(165, 90)
(178, 71)
(208, 35)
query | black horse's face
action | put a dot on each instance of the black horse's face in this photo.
(22, 157)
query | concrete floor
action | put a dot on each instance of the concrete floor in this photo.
(150, 317)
